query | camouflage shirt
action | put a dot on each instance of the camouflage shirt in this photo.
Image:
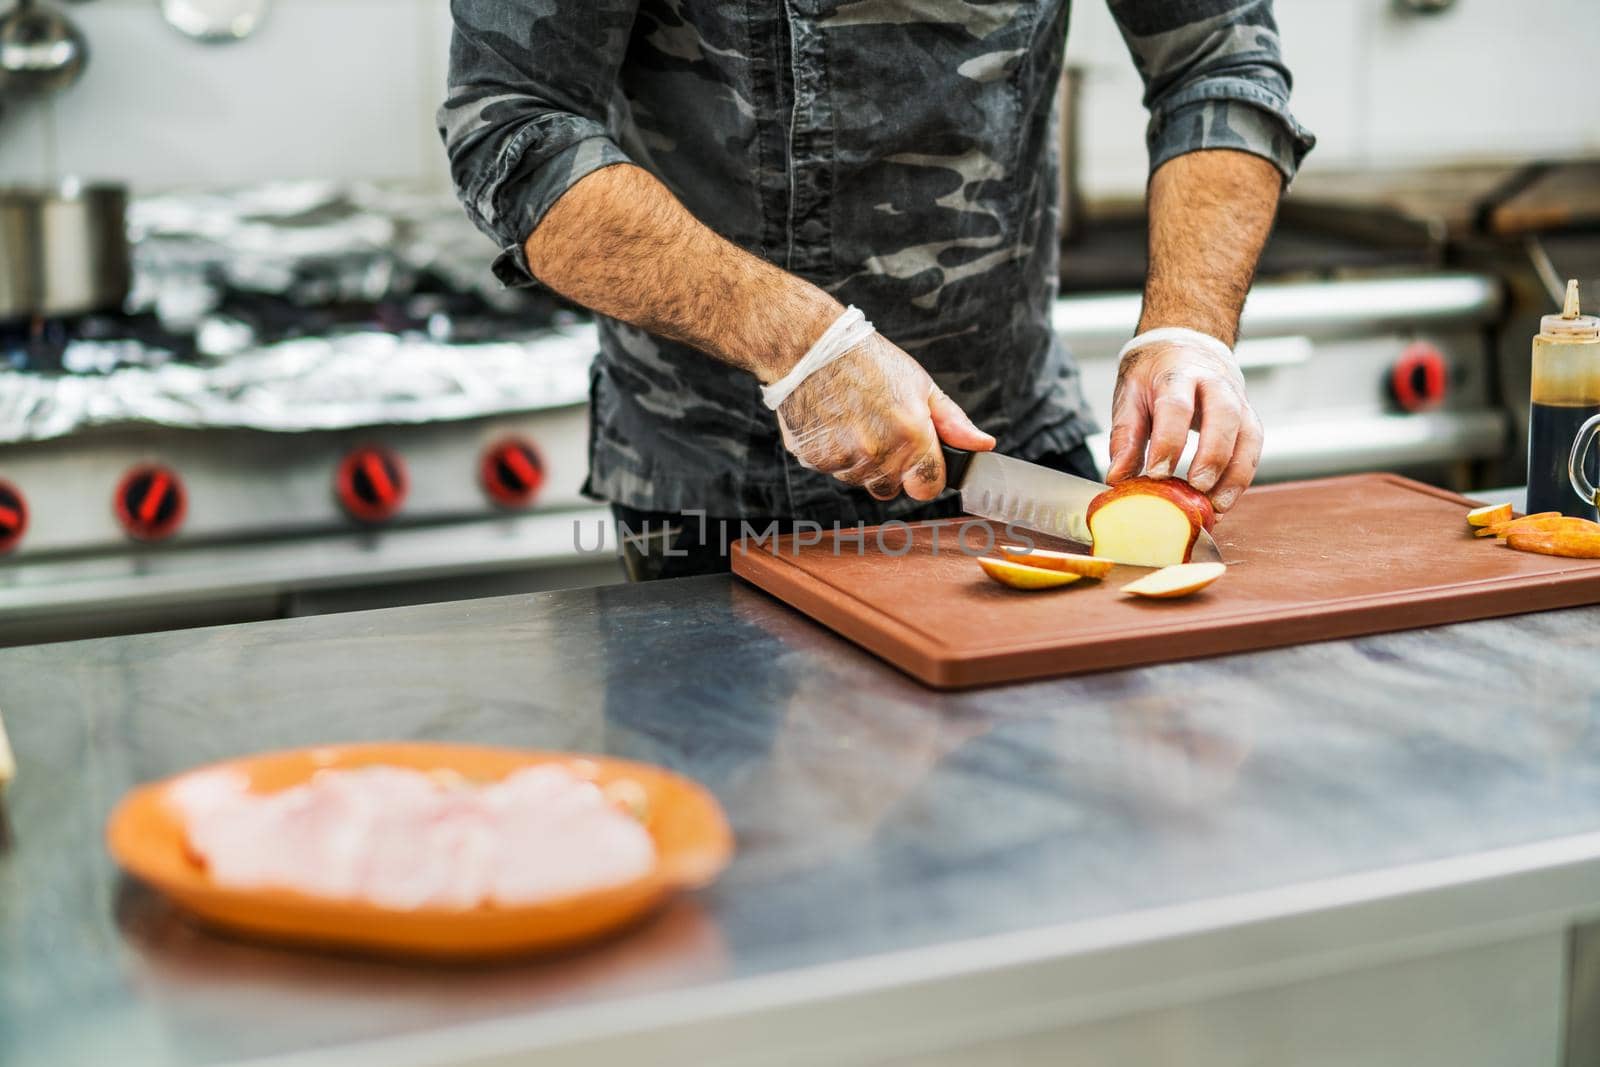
(901, 154)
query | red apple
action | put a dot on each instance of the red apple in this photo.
(1149, 522)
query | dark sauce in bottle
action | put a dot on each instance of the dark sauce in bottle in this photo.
(1564, 393)
(1551, 431)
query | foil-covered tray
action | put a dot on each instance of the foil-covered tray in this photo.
(239, 316)
(315, 383)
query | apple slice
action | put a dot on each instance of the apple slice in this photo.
(1175, 581)
(1489, 514)
(1149, 522)
(1071, 562)
(1021, 576)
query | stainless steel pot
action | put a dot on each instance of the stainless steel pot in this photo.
(63, 251)
(41, 51)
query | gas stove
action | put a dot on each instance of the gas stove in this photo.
(132, 529)
(147, 485)
(308, 403)
(90, 344)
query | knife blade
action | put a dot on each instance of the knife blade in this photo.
(1035, 498)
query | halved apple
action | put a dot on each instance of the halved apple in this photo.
(1071, 562)
(1149, 522)
(1175, 581)
(1021, 576)
(1489, 514)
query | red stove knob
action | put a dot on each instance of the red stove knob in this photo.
(150, 502)
(13, 517)
(512, 472)
(371, 483)
(1419, 379)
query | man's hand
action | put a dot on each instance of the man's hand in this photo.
(874, 418)
(1210, 212)
(1163, 390)
(620, 243)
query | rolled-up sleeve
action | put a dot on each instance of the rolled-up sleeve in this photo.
(525, 115)
(1214, 77)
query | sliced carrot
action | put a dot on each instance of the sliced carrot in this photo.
(1527, 522)
(1571, 541)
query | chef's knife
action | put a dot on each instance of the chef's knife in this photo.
(1036, 498)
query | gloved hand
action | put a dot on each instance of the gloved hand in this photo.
(1165, 388)
(874, 418)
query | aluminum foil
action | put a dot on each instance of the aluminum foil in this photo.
(296, 247)
(309, 242)
(319, 383)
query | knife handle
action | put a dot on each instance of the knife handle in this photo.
(956, 462)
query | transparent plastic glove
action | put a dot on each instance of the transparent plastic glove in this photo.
(874, 418)
(1163, 389)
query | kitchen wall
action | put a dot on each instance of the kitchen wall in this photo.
(347, 88)
(1383, 88)
(325, 88)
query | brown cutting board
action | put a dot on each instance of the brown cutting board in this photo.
(1309, 561)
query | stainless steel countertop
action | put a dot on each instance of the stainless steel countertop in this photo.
(1375, 792)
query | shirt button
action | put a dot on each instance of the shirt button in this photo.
(812, 230)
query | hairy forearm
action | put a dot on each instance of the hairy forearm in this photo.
(618, 242)
(1210, 213)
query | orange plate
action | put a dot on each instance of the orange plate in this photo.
(693, 845)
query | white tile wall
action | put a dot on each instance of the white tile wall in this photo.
(1518, 77)
(1111, 118)
(1323, 45)
(1381, 88)
(436, 43)
(25, 148)
(339, 88)
(347, 88)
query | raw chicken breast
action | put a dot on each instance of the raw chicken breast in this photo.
(403, 839)
(540, 816)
